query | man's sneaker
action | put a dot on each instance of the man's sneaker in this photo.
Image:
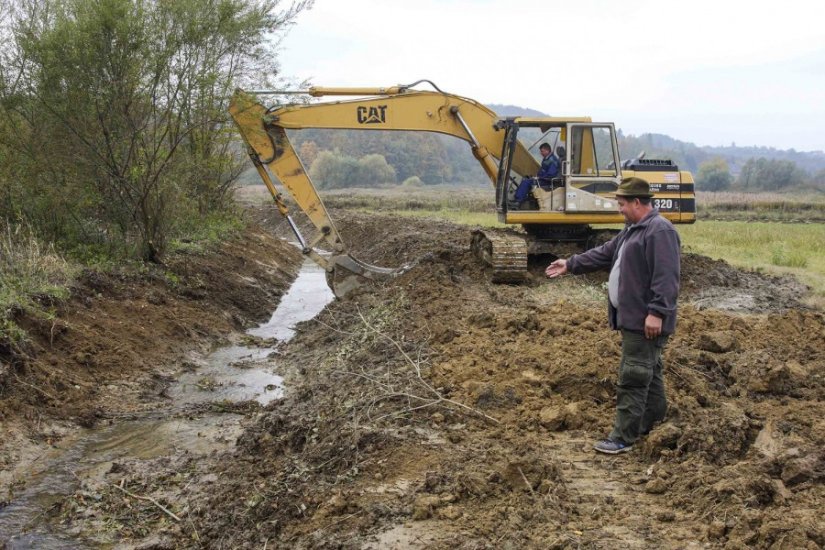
(608, 446)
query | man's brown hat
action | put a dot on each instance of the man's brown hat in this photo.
(634, 188)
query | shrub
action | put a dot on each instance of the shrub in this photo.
(114, 114)
(373, 170)
(413, 181)
(714, 175)
(32, 277)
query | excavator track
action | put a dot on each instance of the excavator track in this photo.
(505, 253)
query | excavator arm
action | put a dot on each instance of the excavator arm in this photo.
(396, 108)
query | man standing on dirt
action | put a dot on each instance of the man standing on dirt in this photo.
(642, 289)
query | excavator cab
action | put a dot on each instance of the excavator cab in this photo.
(590, 171)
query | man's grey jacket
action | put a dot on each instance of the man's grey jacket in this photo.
(648, 272)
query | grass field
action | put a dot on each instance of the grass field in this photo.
(765, 243)
(778, 248)
(803, 207)
(807, 207)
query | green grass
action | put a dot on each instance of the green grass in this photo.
(32, 278)
(208, 232)
(778, 248)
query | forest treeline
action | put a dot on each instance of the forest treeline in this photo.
(114, 132)
(732, 167)
(339, 158)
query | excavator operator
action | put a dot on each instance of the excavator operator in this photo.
(550, 168)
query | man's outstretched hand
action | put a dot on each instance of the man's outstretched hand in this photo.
(556, 269)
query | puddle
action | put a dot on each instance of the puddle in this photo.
(307, 296)
(241, 373)
(233, 373)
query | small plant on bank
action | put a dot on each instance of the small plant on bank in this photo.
(413, 181)
(205, 232)
(33, 276)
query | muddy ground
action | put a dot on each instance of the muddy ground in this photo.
(439, 410)
(111, 350)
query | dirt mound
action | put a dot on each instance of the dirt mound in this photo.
(392, 241)
(441, 410)
(709, 283)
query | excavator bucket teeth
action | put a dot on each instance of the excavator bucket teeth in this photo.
(348, 274)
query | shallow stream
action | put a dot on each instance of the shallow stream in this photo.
(231, 374)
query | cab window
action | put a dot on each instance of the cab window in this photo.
(592, 152)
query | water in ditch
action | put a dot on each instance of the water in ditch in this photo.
(230, 374)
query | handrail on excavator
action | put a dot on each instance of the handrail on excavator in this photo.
(318, 91)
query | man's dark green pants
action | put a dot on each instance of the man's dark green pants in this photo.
(640, 394)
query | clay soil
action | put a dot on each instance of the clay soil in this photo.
(438, 410)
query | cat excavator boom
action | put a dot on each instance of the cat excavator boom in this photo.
(581, 197)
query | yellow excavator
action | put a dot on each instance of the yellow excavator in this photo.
(564, 209)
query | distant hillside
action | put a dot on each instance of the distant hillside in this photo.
(688, 155)
(512, 110)
(810, 161)
(437, 159)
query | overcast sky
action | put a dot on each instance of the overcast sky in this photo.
(708, 72)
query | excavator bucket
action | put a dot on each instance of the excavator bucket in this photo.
(348, 274)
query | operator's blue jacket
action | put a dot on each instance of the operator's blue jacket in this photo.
(550, 168)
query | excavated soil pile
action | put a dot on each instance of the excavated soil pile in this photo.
(440, 410)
